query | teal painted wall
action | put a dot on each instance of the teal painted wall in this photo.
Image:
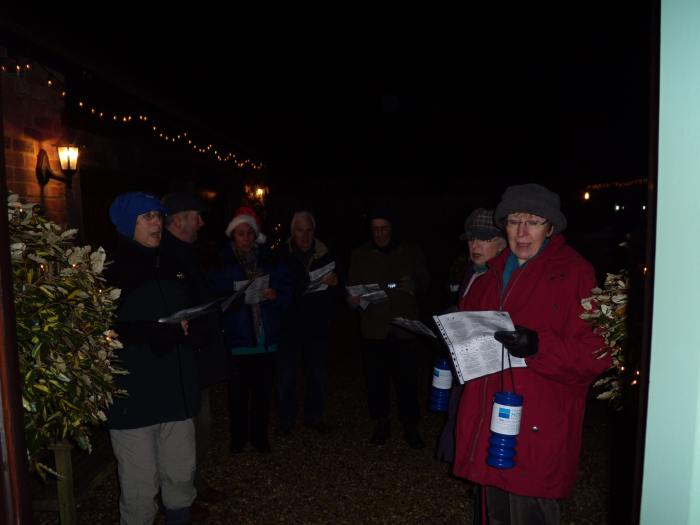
(671, 491)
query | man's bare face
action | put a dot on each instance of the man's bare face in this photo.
(303, 233)
(381, 232)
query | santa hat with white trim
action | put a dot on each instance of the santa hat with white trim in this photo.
(246, 215)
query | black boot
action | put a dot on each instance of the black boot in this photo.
(381, 432)
(412, 437)
(262, 445)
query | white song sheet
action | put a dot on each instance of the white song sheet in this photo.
(368, 294)
(413, 325)
(220, 304)
(316, 277)
(469, 337)
(254, 291)
(188, 314)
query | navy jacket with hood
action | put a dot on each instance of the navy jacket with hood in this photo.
(238, 319)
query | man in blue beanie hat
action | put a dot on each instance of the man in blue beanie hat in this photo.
(151, 428)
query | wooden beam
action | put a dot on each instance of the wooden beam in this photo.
(14, 493)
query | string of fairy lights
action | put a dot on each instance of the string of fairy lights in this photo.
(587, 195)
(590, 188)
(620, 184)
(165, 133)
(203, 147)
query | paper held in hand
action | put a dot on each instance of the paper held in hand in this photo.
(253, 290)
(413, 325)
(220, 304)
(188, 314)
(316, 277)
(368, 294)
(469, 338)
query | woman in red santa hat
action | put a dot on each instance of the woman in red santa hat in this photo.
(252, 327)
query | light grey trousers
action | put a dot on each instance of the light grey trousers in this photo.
(149, 459)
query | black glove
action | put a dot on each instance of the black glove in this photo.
(164, 337)
(198, 331)
(521, 342)
(238, 302)
(161, 337)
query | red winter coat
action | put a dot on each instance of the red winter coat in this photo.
(545, 296)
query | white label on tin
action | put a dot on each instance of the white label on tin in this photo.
(442, 378)
(505, 419)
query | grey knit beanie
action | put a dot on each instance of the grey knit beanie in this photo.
(534, 199)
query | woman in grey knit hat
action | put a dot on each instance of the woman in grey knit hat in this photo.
(540, 282)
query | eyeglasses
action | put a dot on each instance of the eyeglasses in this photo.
(529, 224)
(151, 215)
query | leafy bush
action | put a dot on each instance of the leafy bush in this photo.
(606, 311)
(64, 311)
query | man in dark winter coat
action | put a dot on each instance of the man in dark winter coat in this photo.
(306, 325)
(183, 220)
(390, 353)
(152, 428)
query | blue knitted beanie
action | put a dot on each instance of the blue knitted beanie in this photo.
(126, 208)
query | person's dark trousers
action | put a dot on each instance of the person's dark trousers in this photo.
(250, 390)
(312, 354)
(479, 506)
(386, 361)
(202, 428)
(506, 508)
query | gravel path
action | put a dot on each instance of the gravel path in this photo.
(341, 478)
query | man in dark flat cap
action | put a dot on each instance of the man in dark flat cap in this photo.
(183, 220)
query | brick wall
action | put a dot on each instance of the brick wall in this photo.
(32, 120)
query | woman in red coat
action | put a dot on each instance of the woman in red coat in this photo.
(540, 282)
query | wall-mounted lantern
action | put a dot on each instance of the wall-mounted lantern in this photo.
(68, 158)
(256, 193)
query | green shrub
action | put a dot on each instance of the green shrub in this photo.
(606, 311)
(64, 310)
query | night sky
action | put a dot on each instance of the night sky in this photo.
(434, 113)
